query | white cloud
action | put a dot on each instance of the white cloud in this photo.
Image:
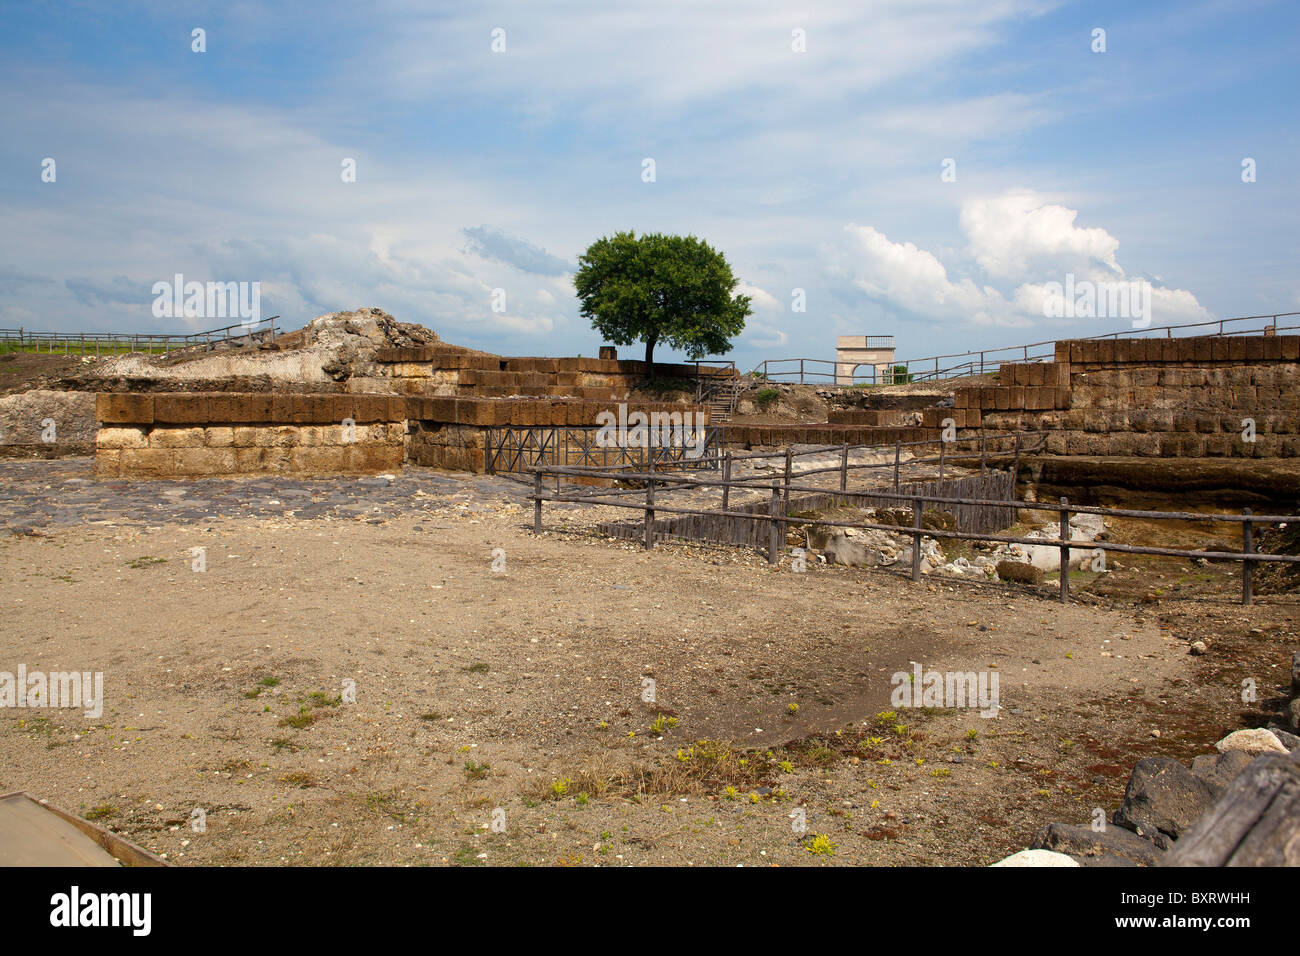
(1015, 236)
(1019, 236)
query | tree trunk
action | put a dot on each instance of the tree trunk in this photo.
(650, 355)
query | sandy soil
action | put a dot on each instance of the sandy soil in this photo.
(521, 691)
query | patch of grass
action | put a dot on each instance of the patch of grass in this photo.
(432, 716)
(101, 812)
(479, 668)
(475, 770)
(766, 397)
(299, 721)
(299, 778)
(145, 561)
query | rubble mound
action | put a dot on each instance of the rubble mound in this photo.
(1279, 578)
(331, 348)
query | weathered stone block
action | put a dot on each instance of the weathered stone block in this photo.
(219, 436)
(180, 408)
(124, 408)
(117, 437)
(161, 437)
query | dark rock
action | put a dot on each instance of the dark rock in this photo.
(1114, 846)
(1289, 741)
(1219, 770)
(1295, 673)
(1163, 798)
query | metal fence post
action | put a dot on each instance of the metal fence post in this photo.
(844, 467)
(1247, 547)
(916, 539)
(773, 532)
(1065, 552)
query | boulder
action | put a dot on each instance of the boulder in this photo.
(1253, 741)
(1113, 846)
(1295, 673)
(1289, 740)
(1037, 858)
(1019, 571)
(853, 547)
(1293, 715)
(1219, 770)
(1163, 798)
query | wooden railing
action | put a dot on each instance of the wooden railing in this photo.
(116, 343)
(777, 518)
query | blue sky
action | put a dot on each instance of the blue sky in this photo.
(817, 170)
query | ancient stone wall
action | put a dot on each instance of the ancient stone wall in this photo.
(1211, 396)
(171, 435)
(443, 371)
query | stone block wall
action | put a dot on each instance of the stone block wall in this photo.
(180, 435)
(442, 371)
(449, 432)
(1196, 397)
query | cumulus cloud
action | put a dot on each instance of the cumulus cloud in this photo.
(1018, 236)
(1013, 238)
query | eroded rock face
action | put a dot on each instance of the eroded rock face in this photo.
(47, 424)
(331, 348)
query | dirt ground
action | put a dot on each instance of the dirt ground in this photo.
(515, 696)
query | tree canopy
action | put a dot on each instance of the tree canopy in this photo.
(678, 290)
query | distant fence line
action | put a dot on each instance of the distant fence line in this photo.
(958, 364)
(114, 343)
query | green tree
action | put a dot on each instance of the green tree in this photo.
(678, 290)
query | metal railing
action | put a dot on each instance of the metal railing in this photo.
(984, 361)
(118, 343)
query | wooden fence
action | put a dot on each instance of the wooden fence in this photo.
(778, 518)
(730, 529)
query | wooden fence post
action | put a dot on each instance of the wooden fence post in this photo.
(1065, 552)
(650, 509)
(789, 465)
(943, 447)
(916, 538)
(537, 502)
(1247, 547)
(844, 467)
(726, 478)
(773, 532)
(983, 452)
(898, 452)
